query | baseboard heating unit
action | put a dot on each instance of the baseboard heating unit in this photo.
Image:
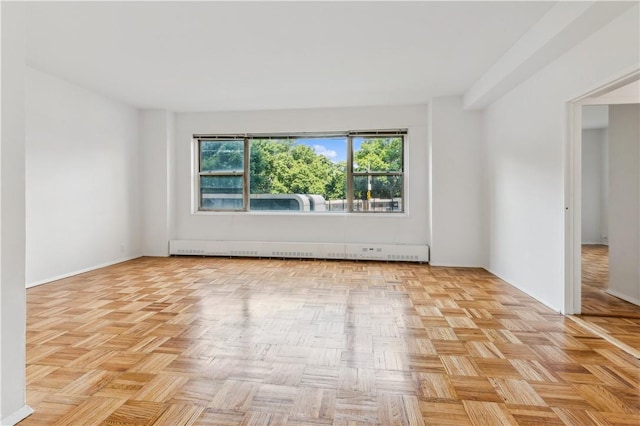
(384, 252)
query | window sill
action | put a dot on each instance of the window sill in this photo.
(301, 214)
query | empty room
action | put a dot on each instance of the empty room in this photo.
(320, 213)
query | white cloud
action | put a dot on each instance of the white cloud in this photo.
(322, 150)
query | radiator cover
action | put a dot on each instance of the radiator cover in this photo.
(351, 251)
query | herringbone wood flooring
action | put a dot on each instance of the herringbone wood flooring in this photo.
(216, 341)
(618, 318)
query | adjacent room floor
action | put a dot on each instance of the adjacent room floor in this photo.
(217, 341)
(618, 318)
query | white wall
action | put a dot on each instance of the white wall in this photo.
(12, 221)
(81, 179)
(594, 192)
(13, 406)
(624, 202)
(156, 158)
(525, 133)
(457, 196)
(604, 188)
(410, 228)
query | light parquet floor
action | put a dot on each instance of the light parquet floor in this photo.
(595, 280)
(618, 318)
(214, 341)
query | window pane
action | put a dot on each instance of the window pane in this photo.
(303, 174)
(222, 156)
(384, 195)
(377, 154)
(221, 192)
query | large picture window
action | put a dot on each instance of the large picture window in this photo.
(337, 172)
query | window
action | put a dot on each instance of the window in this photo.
(222, 174)
(308, 172)
(377, 173)
(337, 172)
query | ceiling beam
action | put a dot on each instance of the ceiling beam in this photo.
(561, 28)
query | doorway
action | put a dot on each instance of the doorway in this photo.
(594, 290)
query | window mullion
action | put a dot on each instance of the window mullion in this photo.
(377, 173)
(222, 173)
(246, 178)
(349, 174)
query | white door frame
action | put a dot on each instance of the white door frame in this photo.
(573, 186)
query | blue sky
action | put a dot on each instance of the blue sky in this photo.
(335, 149)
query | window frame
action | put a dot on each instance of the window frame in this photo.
(350, 173)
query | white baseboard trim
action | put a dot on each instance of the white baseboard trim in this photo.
(457, 265)
(623, 296)
(17, 416)
(81, 271)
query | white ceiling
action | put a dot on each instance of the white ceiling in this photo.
(207, 56)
